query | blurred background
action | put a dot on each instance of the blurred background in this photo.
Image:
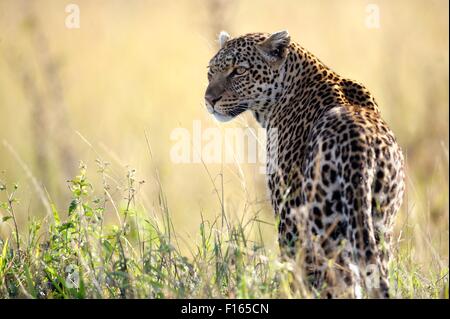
(117, 86)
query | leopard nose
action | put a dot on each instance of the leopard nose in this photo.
(212, 100)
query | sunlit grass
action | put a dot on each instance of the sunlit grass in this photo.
(138, 255)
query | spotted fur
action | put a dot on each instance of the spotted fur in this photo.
(337, 177)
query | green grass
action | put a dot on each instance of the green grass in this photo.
(139, 255)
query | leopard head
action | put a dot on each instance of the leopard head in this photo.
(246, 73)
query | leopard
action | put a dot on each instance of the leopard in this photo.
(335, 172)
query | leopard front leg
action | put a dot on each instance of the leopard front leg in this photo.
(320, 264)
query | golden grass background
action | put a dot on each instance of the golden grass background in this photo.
(139, 67)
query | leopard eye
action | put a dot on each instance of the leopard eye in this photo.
(240, 70)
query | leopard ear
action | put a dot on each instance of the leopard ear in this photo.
(274, 49)
(223, 38)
